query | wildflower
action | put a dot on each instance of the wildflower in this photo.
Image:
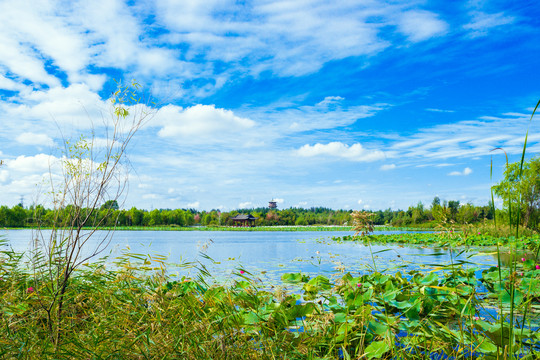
(537, 267)
(479, 233)
(242, 271)
(30, 290)
(476, 318)
(359, 285)
(522, 259)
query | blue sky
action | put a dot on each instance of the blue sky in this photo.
(343, 104)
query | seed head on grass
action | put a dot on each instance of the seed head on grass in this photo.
(362, 222)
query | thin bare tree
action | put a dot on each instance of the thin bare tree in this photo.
(93, 170)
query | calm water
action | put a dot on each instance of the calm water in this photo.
(266, 254)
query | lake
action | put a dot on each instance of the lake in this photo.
(266, 255)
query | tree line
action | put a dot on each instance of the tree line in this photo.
(32, 216)
(519, 190)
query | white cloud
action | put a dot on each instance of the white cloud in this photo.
(420, 25)
(245, 205)
(279, 201)
(466, 139)
(32, 164)
(75, 106)
(9, 84)
(465, 172)
(35, 34)
(360, 202)
(294, 38)
(330, 100)
(194, 205)
(440, 110)
(279, 120)
(387, 167)
(29, 138)
(202, 123)
(150, 196)
(4, 176)
(482, 22)
(354, 152)
(23, 61)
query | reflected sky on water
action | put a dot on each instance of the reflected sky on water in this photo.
(268, 254)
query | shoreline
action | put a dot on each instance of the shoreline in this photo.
(321, 228)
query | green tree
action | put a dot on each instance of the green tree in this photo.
(110, 204)
(135, 216)
(453, 206)
(512, 188)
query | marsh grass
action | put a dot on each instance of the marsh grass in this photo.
(130, 307)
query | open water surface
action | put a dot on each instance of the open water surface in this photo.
(267, 254)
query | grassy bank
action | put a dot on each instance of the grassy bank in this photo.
(136, 311)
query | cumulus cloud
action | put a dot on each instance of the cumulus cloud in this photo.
(201, 123)
(245, 205)
(29, 138)
(32, 164)
(355, 152)
(420, 25)
(465, 172)
(387, 167)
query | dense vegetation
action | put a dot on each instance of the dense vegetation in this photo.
(19, 216)
(136, 311)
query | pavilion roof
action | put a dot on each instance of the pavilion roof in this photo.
(244, 217)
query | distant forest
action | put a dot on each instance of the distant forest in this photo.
(438, 212)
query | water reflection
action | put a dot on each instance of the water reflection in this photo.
(271, 253)
(508, 257)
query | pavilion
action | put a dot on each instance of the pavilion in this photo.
(244, 220)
